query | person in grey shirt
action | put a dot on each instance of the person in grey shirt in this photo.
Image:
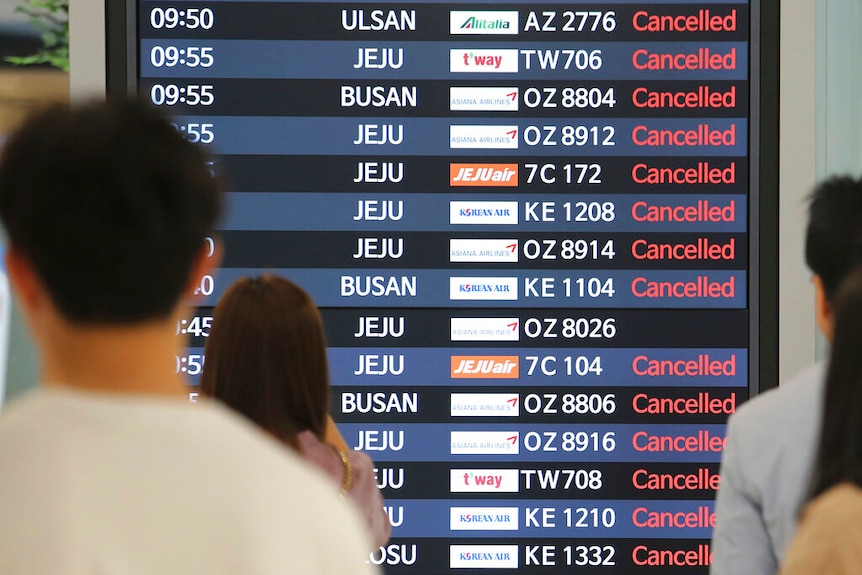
(771, 440)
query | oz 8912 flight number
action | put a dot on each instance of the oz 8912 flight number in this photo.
(577, 136)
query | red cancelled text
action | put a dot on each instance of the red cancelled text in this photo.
(643, 555)
(702, 480)
(703, 441)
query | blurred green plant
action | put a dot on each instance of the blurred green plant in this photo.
(51, 19)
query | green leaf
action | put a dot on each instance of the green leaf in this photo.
(51, 19)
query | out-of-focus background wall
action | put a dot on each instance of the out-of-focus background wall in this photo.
(22, 90)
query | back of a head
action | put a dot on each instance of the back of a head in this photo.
(840, 448)
(266, 357)
(110, 205)
(833, 240)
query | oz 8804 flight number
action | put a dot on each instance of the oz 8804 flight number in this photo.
(569, 97)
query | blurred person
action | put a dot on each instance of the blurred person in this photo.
(829, 539)
(771, 440)
(107, 467)
(266, 358)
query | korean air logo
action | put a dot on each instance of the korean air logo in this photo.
(483, 61)
(461, 212)
(483, 481)
(483, 556)
(483, 518)
(483, 289)
(483, 23)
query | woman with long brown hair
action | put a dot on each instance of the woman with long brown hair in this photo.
(266, 358)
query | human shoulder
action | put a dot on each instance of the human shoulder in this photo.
(230, 492)
(840, 502)
(829, 539)
(799, 397)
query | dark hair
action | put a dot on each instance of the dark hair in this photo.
(110, 205)
(839, 456)
(266, 357)
(833, 239)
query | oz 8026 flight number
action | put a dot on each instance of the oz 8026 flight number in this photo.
(570, 328)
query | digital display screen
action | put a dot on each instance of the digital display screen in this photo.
(533, 231)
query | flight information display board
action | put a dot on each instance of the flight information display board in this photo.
(533, 231)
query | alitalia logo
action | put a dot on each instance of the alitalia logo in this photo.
(474, 23)
(484, 22)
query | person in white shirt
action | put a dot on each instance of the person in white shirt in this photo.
(107, 468)
(766, 467)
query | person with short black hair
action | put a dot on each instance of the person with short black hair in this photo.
(266, 358)
(107, 467)
(829, 539)
(110, 208)
(771, 440)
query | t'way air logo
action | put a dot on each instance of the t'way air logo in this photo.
(483, 481)
(482, 60)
